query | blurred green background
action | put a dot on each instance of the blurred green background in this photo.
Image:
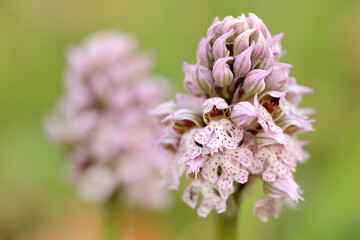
(322, 40)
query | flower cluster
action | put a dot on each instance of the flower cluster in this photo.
(102, 121)
(242, 120)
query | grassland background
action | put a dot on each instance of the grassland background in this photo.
(322, 40)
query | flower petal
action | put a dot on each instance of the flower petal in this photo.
(209, 201)
(267, 123)
(219, 134)
(243, 114)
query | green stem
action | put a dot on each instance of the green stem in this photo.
(226, 227)
(227, 222)
(109, 218)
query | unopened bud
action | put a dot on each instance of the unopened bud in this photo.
(254, 81)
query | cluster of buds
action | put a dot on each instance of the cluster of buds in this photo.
(102, 122)
(242, 120)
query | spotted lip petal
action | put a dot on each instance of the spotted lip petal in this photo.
(230, 171)
(210, 199)
(268, 206)
(188, 147)
(220, 134)
(268, 162)
(195, 165)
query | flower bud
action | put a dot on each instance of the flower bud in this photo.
(204, 53)
(243, 114)
(219, 48)
(276, 46)
(254, 21)
(190, 81)
(222, 73)
(242, 63)
(241, 25)
(228, 24)
(204, 78)
(261, 48)
(254, 81)
(278, 77)
(268, 59)
(215, 28)
(242, 41)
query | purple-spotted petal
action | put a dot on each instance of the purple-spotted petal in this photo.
(233, 165)
(268, 206)
(210, 200)
(188, 148)
(220, 134)
(268, 162)
(195, 165)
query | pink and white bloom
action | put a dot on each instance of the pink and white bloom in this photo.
(249, 121)
(102, 121)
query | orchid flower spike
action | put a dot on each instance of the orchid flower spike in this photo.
(248, 125)
(102, 122)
